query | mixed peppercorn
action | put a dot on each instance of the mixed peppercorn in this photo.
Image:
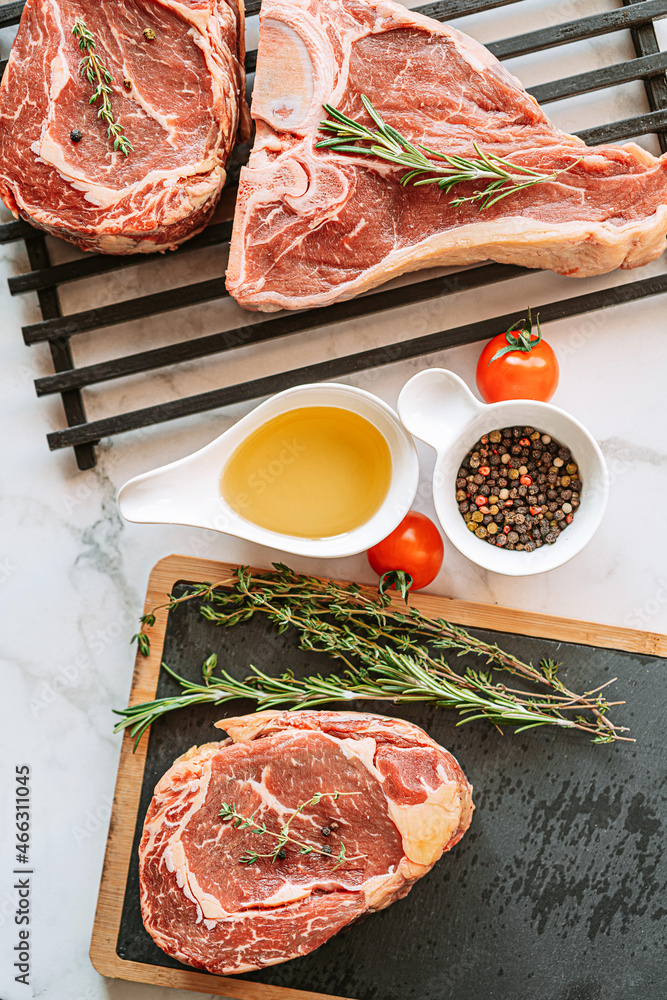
(518, 488)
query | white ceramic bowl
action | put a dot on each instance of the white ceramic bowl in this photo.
(437, 407)
(188, 491)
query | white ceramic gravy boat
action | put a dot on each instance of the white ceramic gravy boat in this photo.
(188, 491)
(437, 407)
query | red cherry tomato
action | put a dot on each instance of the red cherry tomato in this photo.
(517, 365)
(414, 547)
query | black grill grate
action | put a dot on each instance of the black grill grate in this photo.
(44, 278)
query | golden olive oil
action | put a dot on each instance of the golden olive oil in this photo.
(313, 472)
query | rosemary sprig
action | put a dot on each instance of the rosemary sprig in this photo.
(100, 78)
(501, 177)
(229, 811)
(388, 654)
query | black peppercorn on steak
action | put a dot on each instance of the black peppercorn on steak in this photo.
(319, 225)
(172, 98)
(260, 848)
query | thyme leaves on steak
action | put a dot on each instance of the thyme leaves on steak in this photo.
(388, 654)
(500, 176)
(99, 77)
(229, 812)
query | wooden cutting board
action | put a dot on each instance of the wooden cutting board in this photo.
(113, 925)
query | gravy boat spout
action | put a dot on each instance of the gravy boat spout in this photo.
(188, 491)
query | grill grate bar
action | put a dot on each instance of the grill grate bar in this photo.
(337, 367)
(646, 44)
(573, 31)
(646, 67)
(652, 121)
(95, 264)
(61, 354)
(449, 10)
(11, 232)
(125, 311)
(280, 326)
(10, 13)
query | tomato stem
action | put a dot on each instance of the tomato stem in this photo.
(396, 578)
(519, 337)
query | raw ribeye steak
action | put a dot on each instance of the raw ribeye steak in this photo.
(402, 801)
(177, 92)
(313, 226)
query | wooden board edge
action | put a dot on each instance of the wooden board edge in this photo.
(164, 575)
(114, 967)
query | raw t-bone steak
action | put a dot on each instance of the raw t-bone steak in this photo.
(178, 96)
(403, 801)
(313, 226)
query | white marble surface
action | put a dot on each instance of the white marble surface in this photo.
(73, 575)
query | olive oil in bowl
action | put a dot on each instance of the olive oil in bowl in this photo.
(312, 472)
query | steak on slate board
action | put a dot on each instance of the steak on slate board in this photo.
(403, 801)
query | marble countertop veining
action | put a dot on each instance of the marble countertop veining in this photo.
(73, 574)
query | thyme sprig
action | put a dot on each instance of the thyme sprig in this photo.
(100, 78)
(501, 177)
(229, 811)
(388, 654)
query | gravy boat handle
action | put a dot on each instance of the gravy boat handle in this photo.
(436, 406)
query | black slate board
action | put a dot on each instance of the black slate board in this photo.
(557, 891)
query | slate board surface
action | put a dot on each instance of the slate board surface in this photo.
(557, 892)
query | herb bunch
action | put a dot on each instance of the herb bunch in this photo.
(229, 812)
(100, 78)
(388, 654)
(501, 177)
